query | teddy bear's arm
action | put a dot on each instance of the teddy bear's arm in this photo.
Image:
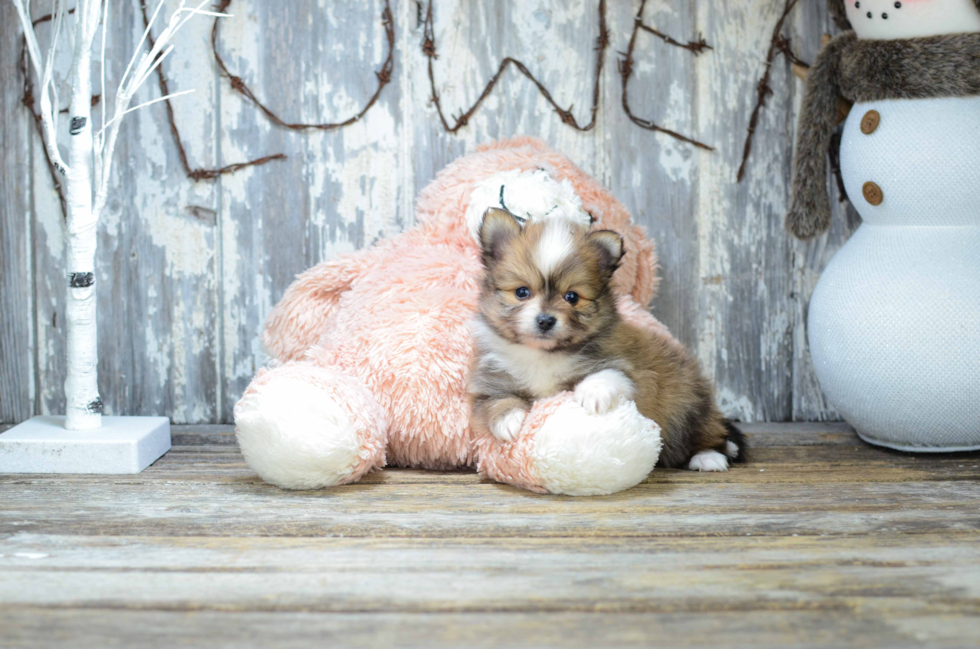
(297, 322)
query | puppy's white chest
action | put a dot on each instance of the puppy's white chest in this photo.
(541, 373)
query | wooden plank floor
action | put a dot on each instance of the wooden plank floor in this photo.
(820, 540)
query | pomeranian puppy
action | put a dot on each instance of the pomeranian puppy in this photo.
(547, 323)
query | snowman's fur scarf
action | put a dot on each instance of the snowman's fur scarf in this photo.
(839, 14)
(861, 71)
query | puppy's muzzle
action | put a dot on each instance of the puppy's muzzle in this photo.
(546, 322)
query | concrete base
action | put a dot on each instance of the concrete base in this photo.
(122, 445)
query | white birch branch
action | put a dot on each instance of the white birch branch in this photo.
(43, 70)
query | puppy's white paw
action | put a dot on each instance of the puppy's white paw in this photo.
(708, 461)
(603, 391)
(506, 428)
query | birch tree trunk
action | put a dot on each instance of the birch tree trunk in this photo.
(84, 405)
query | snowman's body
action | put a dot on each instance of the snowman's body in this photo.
(894, 323)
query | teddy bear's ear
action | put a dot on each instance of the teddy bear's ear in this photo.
(610, 247)
(498, 227)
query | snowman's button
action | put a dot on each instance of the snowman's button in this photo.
(870, 122)
(872, 193)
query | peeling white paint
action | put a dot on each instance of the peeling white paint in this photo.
(30, 555)
(187, 244)
(676, 157)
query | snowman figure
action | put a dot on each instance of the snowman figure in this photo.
(894, 322)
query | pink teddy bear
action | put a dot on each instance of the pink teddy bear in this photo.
(372, 350)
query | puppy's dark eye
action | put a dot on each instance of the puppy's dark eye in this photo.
(522, 293)
(571, 297)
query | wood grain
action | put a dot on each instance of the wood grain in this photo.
(486, 575)
(823, 488)
(656, 176)
(849, 625)
(745, 312)
(16, 274)
(820, 540)
(188, 271)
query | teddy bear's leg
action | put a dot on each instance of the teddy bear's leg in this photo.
(304, 426)
(562, 449)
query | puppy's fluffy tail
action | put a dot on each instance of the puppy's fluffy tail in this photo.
(736, 447)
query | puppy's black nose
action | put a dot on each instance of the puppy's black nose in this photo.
(546, 322)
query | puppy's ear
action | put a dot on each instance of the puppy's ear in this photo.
(498, 227)
(610, 247)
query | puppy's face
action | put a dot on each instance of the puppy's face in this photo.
(547, 283)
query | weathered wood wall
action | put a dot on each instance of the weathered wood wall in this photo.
(188, 270)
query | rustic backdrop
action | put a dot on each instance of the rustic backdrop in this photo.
(189, 269)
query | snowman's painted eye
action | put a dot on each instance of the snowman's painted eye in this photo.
(898, 5)
(857, 5)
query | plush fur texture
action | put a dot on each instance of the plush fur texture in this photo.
(809, 212)
(568, 461)
(548, 323)
(374, 348)
(280, 416)
(534, 194)
(913, 68)
(869, 70)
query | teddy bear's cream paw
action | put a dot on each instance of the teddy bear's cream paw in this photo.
(305, 427)
(580, 455)
(507, 427)
(601, 392)
(708, 461)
